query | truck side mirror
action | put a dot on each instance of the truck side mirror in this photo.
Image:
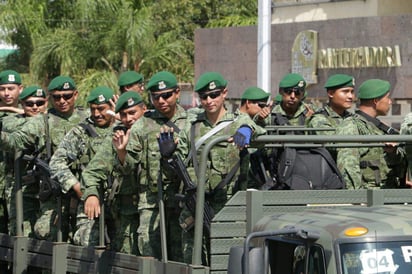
(256, 261)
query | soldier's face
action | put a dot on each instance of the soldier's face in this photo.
(34, 105)
(130, 115)
(165, 101)
(100, 116)
(9, 94)
(291, 98)
(383, 104)
(213, 101)
(342, 98)
(64, 101)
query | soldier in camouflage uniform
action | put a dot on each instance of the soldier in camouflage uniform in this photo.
(371, 167)
(41, 135)
(10, 88)
(340, 90)
(73, 155)
(291, 110)
(214, 121)
(143, 153)
(103, 176)
(34, 101)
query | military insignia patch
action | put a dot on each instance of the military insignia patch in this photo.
(212, 85)
(11, 78)
(301, 84)
(130, 102)
(39, 92)
(101, 98)
(162, 85)
(66, 85)
(353, 81)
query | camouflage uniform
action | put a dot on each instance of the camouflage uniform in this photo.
(33, 136)
(327, 118)
(3, 183)
(298, 119)
(30, 189)
(143, 151)
(406, 128)
(69, 160)
(218, 168)
(364, 168)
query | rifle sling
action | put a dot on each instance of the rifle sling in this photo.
(91, 131)
(385, 128)
(227, 178)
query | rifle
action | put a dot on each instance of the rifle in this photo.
(189, 190)
(41, 172)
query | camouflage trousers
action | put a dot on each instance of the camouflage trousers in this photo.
(126, 237)
(188, 237)
(46, 227)
(149, 233)
(31, 208)
(173, 233)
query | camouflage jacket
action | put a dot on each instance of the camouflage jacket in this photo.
(141, 168)
(34, 133)
(406, 128)
(326, 118)
(75, 152)
(298, 119)
(367, 167)
(222, 158)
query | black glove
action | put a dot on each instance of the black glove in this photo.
(167, 145)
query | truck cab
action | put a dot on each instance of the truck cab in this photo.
(342, 240)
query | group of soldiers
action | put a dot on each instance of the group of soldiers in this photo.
(123, 159)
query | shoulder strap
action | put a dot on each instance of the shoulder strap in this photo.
(227, 178)
(212, 132)
(173, 125)
(288, 162)
(91, 131)
(385, 128)
(325, 154)
(48, 141)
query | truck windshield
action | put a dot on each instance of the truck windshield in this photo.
(377, 257)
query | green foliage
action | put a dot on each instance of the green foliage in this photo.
(94, 40)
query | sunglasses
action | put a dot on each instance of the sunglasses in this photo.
(32, 103)
(261, 105)
(165, 95)
(297, 91)
(212, 95)
(64, 96)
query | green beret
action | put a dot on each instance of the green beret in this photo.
(210, 81)
(373, 88)
(255, 94)
(128, 99)
(61, 83)
(129, 77)
(337, 81)
(278, 98)
(100, 95)
(32, 91)
(161, 81)
(292, 80)
(10, 77)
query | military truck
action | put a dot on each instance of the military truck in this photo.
(322, 231)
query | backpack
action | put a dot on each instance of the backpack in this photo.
(307, 168)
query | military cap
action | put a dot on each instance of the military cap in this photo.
(61, 83)
(10, 77)
(161, 81)
(210, 81)
(337, 81)
(373, 88)
(129, 77)
(32, 91)
(255, 94)
(292, 80)
(100, 95)
(128, 99)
